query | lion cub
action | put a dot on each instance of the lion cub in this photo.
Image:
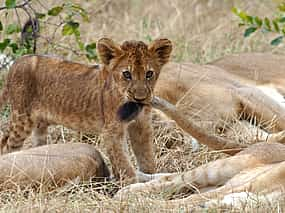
(43, 91)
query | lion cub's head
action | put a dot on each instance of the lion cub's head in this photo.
(135, 66)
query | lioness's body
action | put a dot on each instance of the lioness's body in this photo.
(51, 166)
(45, 90)
(217, 98)
(262, 68)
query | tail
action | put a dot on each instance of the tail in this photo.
(30, 33)
(105, 170)
(3, 102)
(3, 97)
(214, 142)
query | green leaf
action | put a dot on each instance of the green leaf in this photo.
(78, 39)
(148, 38)
(77, 7)
(40, 15)
(67, 30)
(10, 4)
(281, 7)
(83, 13)
(241, 24)
(85, 16)
(55, 11)
(14, 47)
(1, 26)
(282, 19)
(277, 41)
(235, 11)
(70, 28)
(4, 44)
(21, 51)
(267, 24)
(276, 26)
(249, 19)
(80, 43)
(13, 28)
(91, 51)
(243, 16)
(249, 31)
(257, 21)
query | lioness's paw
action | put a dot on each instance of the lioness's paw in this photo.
(278, 137)
(125, 192)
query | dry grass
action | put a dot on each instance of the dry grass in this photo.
(202, 30)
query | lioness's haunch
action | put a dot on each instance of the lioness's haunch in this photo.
(51, 166)
(46, 90)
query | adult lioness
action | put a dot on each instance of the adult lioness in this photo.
(218, 98)
(45, 90)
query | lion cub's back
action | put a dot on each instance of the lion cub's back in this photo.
(53, 85)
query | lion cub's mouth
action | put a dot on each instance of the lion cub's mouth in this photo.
(129, 110)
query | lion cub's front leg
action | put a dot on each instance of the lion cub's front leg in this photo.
(141, 137)
(114, 137)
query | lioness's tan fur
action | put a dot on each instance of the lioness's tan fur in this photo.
(51, 166)
(218, 98)
(46, 90)
(257, 171)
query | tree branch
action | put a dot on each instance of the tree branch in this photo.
(17, 6)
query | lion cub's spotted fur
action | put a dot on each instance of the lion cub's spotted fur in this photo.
(43, 91)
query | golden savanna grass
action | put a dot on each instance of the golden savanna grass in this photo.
(201, 30)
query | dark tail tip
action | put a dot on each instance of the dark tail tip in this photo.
(128, 111)
(105, 170)
(30, 32)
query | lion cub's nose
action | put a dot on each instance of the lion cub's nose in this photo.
(140, 95)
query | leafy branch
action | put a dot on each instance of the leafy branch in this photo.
(12, 4)
(60, 25)
(255, 23)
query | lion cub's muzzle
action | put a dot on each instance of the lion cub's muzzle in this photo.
(140, 95)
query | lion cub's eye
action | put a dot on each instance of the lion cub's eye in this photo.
(149, 75)
(127, 75)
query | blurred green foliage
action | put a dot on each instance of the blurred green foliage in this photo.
(264, 24)
(17, 40)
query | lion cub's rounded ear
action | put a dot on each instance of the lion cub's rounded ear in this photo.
(107, 50)
(161, 50)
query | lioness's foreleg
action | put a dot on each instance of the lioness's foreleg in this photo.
(212, 174)
(140, 133)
